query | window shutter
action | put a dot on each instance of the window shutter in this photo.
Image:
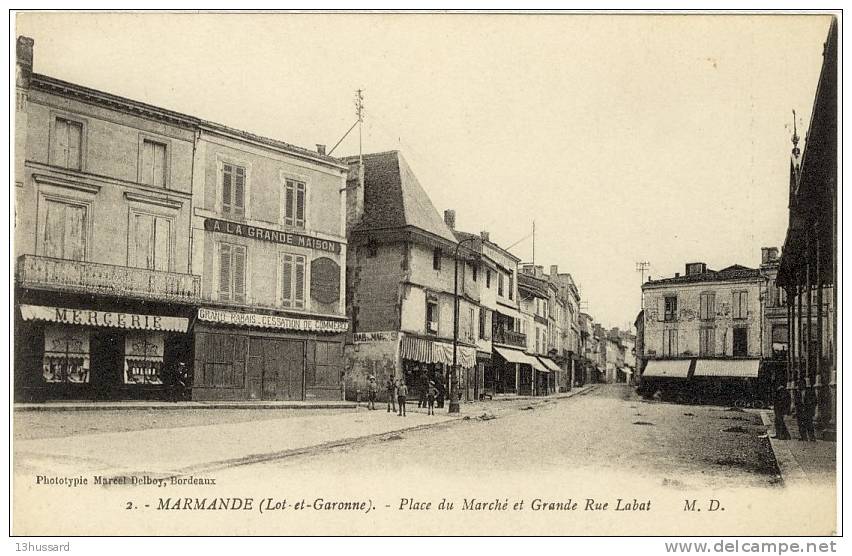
(162, 243)
(159, 164)
(703, 308)
(224, 271)
(300, 282)
(143, 241)
(287, 281)
(288, 203)
(239, 191)
(743, 304)
(239, 259)
(75, 132)
(54, 229)
(226, 187)
(60, 142)
(75, 233)
(300, 204)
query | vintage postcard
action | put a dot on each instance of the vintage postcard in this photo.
(398, 273)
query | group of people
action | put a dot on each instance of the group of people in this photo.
(397, 394)
(805, 408)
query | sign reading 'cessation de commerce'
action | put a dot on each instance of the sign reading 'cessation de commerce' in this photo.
(272, 321)
(274, 236)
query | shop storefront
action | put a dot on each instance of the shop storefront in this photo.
(425, 360)
(74, 348)
(257, 356)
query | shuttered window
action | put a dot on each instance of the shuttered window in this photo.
(293, 281)
(232, 272)
(670, 342)
(233, 190)
(153, 163)
(67, 144)
(294, 203)
(64, 234)
(151, 242)
(707, 311)
(740, 305)
(707, 341)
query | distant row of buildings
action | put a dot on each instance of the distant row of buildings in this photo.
(152, 247)
(775, 325)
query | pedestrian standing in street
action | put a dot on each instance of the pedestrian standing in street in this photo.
(402, 394)
(390, 389)
(431, 394)
(805, 408)
(422, 387)
(372, 392)
(781, 407)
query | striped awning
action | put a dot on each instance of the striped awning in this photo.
(431, 351)
(734, 368)
(667, 368)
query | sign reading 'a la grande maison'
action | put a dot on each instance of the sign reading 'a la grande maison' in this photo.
(274, 236)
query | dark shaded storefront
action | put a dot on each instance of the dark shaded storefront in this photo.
(85, 347)
(257, 356)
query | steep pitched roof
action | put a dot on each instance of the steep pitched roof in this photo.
(394, 198)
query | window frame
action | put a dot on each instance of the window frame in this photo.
(668, 335)
(297, 179)
(437, 255)
(221, 161)
(707, 309)
(43, 198)
(734, 342)
(218, 274)
(737, 304)
(707, 341)
(131, 234)
(52, 138)
(669, 316)
(167, 162)
(436, 313)
(279, 272)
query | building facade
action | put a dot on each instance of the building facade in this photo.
(269, 241)
(400, 286)
(103, 193)
(706, 324)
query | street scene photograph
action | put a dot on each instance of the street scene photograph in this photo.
(424, 274)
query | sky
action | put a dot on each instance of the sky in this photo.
(625, 138)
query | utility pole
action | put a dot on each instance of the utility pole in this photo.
(642, 267)
(533, 244)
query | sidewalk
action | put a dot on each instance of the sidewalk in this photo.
(197, 449)
(802, 463)
(144, 405)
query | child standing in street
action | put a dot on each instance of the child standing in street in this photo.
(372, 392)
(390, 388)
(401, 394)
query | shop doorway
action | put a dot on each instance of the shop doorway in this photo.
(276, 369)
(107, 364)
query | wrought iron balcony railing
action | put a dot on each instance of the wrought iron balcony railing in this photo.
(510, 337)
(106, 279)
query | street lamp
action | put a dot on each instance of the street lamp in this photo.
(454, 390)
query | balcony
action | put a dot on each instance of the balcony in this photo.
(106, 279)
(510, 338)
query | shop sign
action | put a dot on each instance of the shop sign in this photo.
(364, 337)
(271, 321)
(273, 236)
(112, 319)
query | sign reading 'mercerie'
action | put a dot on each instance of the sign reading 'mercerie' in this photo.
(274, 236)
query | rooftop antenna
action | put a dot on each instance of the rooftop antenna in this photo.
(642, 267)
(359, 113)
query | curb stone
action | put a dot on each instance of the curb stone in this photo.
(790, 470)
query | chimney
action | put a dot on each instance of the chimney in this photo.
(768, 255)
(695, 268)
(485, 236)
(354, 194)
(24, 58)
(450, 218)
(554, 270)
(321, 149)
